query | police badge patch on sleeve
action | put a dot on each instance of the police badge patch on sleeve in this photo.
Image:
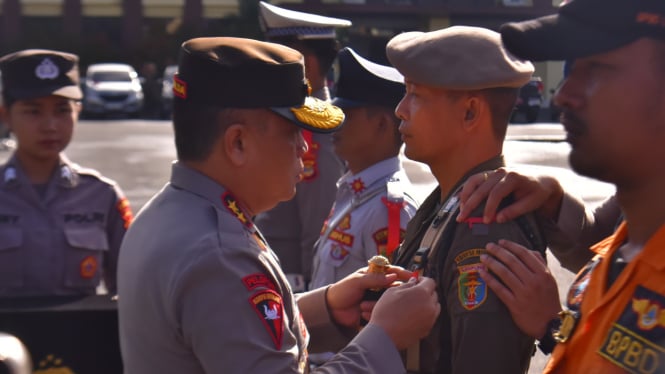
(471, 288)
(268, 305)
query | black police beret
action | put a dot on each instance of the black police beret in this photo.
(362, 82)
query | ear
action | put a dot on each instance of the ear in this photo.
(78, 107)
(234, 142)
(312, 64)
(4, 117)
(386, 122)
(474, 107)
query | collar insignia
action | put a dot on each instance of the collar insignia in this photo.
(358, 185)
(10, 174)
(233, 206)
(66, 173)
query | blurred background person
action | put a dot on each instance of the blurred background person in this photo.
(60, 224)
(293, 226)
(374, 198)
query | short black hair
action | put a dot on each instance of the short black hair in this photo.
(7, 100)
(501, 101)
(196, 128)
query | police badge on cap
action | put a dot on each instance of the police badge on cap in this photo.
(34, 73)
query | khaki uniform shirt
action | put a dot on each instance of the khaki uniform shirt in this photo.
(65, 241)
(293, 226)
(475, 332)
(201, 292)
(578, 228)
(362, 232)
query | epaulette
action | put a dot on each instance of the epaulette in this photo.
(89, 172)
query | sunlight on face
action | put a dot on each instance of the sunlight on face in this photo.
(44, 126)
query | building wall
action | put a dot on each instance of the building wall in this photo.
(103, 34)
(113, 8)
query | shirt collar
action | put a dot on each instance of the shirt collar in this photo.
(361, 181)
(186, 178)
(67, 173)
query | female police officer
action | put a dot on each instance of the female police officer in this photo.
(60, 225)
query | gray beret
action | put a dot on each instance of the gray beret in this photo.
(457, 58)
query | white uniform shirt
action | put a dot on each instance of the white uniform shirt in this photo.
(362, 232)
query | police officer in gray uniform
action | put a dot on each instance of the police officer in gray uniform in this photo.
(461, 87)
(200, 290)
(293, 226)
(374, 198)
(60, 224)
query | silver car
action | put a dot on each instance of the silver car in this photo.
(112, 89)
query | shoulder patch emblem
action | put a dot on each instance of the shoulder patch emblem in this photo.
(471, 288)
(470, 253)
(341, 237)
(269, 307)
(345, 223)
(88, 267)
(257, 280)
(338, 252)
(125, 212)
(179, 87)
(578, 288)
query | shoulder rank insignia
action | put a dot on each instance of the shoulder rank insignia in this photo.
(233, 206)
(52, 365)
(269, 307)
(125, 212)
(477, 226)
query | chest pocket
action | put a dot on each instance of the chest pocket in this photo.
(85, 256)
(11, 260)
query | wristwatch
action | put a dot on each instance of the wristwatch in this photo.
(558, 330)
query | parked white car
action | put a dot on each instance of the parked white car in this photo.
(112, 89)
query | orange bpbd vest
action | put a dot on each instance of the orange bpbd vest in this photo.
(621, 329)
